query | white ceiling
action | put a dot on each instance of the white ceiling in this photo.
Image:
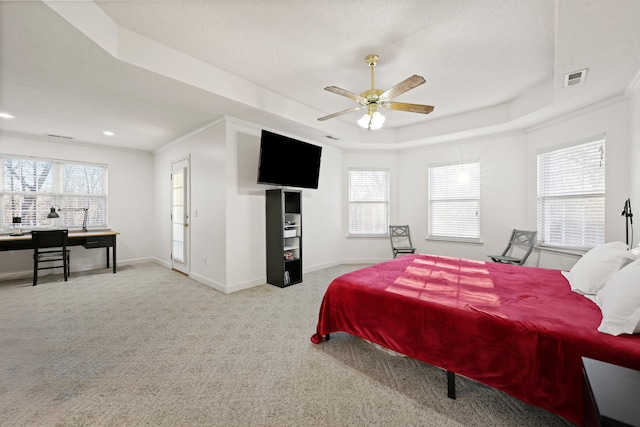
(153, 71)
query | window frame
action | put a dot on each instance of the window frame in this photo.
(67, 194)
(576, 194)
(384, 232)
(430, 200)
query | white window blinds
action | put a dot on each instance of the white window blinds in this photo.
(454, 201)
(368, 202)
(32, 186)
(571, 195)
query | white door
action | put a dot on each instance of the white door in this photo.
(180, 216)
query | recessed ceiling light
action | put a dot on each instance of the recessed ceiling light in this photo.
(7, 116)
(108, 133)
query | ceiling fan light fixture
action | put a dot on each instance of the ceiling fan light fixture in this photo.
(371, 121)
(377, 120)
(364, 121)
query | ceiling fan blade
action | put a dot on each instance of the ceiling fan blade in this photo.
(413, 108)
(346, 93)
(402, 87)
(339, 113)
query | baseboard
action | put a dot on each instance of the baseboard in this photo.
(197, 277)
(16, 275)
(135, 261)
(365, 261)
(208, 282)
(245, 285)
(75, 268)
(163, 263)
(321, 266)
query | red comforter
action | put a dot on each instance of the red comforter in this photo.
(518, 329)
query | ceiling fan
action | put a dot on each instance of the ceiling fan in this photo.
(374, 98)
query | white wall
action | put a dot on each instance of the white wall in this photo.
(614, 120)
(634, 157)
(508, 183)
(228, 230)
(229, 227)
(369, 249)
(322, 215)
(130, 204)
(206, 149)
(245, 210)
(502, 192)
(245, 228)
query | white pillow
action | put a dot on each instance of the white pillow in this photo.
(592, 271)
(630, 256)
(634, 253)
(619, 302)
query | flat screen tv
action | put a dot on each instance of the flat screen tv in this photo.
(288, 162)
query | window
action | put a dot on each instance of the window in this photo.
(368, 202)
(454, 201)
(32, 186)
(571, 195)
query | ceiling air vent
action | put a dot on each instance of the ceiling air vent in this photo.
(50, 135)
(575, 78)
(331, 137)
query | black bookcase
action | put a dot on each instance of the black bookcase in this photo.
(284, 237)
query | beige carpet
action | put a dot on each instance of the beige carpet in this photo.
(148, 346)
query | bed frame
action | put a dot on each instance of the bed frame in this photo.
(451, 377)
(455, 314)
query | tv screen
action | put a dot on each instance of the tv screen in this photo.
(288, 162)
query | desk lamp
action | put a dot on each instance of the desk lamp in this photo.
(54, 214)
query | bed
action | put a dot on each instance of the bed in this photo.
(521, 330)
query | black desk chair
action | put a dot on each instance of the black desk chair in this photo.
(524, 240)
(50, 257)
(400, 240)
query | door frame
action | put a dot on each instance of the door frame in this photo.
(184, 266)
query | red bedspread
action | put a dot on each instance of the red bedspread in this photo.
(518, 329)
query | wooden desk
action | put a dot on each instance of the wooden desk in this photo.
(87, 239)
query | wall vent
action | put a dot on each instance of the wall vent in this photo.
(575, 78)
(51, 135)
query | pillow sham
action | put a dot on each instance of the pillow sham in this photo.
(592, 271)
(619, 302)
